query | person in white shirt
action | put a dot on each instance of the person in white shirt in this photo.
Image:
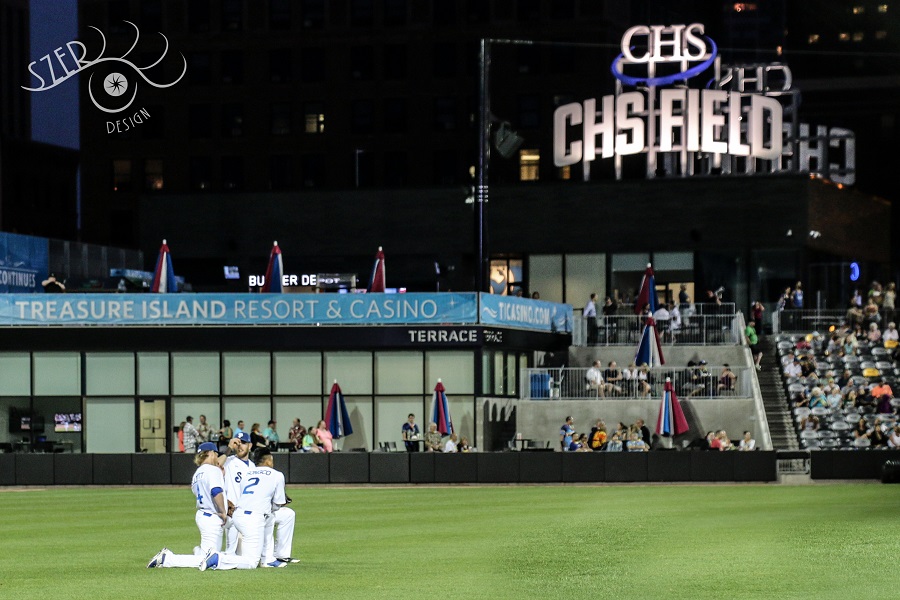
(236, 466)
(594, 378)
(191, 437)
(208, 488)
(748, 443)
(590, 316)
(793, 369)
(450, 446)
(279, 536)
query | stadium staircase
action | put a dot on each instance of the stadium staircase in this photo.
(775, 401)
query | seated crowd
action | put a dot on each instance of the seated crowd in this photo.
(840, 385)
(696, 379)
(637, 438)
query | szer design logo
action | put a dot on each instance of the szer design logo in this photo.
(113, 83)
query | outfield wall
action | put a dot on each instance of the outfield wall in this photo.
(403, 468)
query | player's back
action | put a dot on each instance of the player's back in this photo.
(235, 470)
(206, 479)
(261, 488)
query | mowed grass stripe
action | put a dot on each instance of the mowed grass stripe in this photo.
(744, 541)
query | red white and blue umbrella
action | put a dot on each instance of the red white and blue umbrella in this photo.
(671, 420)
(376, 282)
(440, 410)
(647, 293)
(336, 417)
(164, 274)
(274, 272)
(649, 350)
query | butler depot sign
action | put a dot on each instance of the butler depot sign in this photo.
(689, 114)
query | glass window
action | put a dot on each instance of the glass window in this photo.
(298, 373)
(499, 388)
(362, 13)
(462, 413)
(545, 275)
(153, 174)
(153, 374)
(313, 117)
(247, 409)
(394, 13)
(109, 374)
(391, 413)
(359, 409)
(121, 175)
(280, 14)
(506, 276)
(395, 61)
(313, 170)
(57, 374)
(247, 373)
(182, 408)
(673, 261)
(280, 172)
(99, 436)
(232, 15)
(585, 275)
(456, 369)
(308, 409)
(395, 115)
(15, 373)
(444, 60)
(352, 370)
(232, 119)
(630, 262)
(199, 120)
(200, 172)
(312, 65)
(362, 119)
(362, 62)
(280, 65)
(399, 373)
(195, 373)
(529, 164)
(233, 173)
(445, 113)
(69, 409)
(312, 14)
(198, 16)
(280, 118)
(233, 67)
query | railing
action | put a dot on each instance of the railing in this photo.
(807, 320)
(626, 330)
(572, 384)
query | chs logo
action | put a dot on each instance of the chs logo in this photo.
(665, 44)
(111, 92)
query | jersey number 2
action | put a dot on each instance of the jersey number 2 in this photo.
(253, 482)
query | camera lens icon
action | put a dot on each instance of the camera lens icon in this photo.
(115, 84)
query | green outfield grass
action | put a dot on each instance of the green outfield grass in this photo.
(718, 541)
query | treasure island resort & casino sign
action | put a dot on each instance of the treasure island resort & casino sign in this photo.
(737, 119)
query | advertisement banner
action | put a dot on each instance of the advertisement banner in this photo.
(525, 313)
(237, 309)
(24, 261)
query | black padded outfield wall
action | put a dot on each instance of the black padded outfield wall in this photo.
(421, 467)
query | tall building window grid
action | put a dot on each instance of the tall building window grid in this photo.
(529, 164)
(313, 118)
(121, 174)
(153, 174)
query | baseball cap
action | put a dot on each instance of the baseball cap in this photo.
(243, 436)
(208, 447)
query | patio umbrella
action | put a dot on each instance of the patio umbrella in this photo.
(336, 417)
(274, 272)
(649, 349)
(440, 410)
(376, 283)
(671, 420)
(164, 274)
(647, 293)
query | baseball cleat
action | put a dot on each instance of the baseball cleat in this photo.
(288, 560)
(158, 560)
(277, 563)
(210, 561)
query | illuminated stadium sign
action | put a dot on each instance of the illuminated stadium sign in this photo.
(742, 119)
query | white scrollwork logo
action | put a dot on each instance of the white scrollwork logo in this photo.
(115, 84)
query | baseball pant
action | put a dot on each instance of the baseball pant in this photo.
(279, 534)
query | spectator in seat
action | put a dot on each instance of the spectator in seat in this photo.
(296, 434)
(615, 444)
(874, 334)
(432, 438)
(890, 297)
(891, 339)
(597, 438)
(877, 435)
(854, 316)
(629, 376)
(810, 423)
(793, 369)
(451, 445)
(884, 406)
(674, 321)
(894, 438)
(861, 430)
(643, 430)
(817, 398)
(464, 445)
(747, 443)
(871, 312)
(636, 444)
(594, 378)
(310, 442)
(876, 294)
(566, 433)
(644, 381)
(727, 380)
(882, 389)
(612, 379)
(721, 442)
(844, 379)
(324, 437)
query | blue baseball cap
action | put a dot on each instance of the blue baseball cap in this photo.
(208, 447)
(243, 436)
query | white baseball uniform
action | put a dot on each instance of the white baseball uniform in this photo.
(261, 488)
(206, 484)
(235, 468)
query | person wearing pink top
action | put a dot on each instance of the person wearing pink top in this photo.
(324, 437)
